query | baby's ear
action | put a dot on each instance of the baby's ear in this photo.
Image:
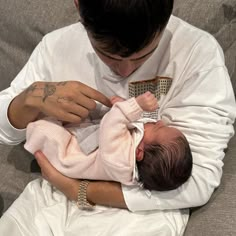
(139, 153)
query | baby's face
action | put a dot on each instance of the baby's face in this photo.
(159, 133)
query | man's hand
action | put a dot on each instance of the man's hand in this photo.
(147, 101)
(66, 185)
(69, 101)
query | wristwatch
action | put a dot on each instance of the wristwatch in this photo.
(82, 201)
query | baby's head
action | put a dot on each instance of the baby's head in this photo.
(164, 158)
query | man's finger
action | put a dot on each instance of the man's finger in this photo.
(96, 95)
(43, 161)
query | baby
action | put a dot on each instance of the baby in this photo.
(130, 151)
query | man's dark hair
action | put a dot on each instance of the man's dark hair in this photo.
(124, 27)
(166, 167)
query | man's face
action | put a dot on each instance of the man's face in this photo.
(125, 66)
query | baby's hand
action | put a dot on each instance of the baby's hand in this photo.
(115, 99)
(147, 101)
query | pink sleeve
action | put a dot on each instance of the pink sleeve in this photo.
(60, 147)
(116, 147)
(48, 136)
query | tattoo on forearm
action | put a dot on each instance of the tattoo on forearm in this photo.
(49, 90)
(31, 88)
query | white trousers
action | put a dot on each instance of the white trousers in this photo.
(41, 210)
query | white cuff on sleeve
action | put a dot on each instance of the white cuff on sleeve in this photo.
(138, 199)
(9, 134)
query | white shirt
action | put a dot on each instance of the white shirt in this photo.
(200, 101)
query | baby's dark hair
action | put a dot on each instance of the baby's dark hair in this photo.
(166, 167)
(124, 27)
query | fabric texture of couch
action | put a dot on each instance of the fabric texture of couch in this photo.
(22, 25)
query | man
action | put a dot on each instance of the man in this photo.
(119, 42)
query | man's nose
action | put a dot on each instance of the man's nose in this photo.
(125, 68)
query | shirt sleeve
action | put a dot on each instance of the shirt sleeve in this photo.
(34, 70)
(201, 104)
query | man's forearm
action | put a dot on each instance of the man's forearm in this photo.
(19, 114)
(98, 192)
(106, 194)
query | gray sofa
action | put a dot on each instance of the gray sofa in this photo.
(23, 23)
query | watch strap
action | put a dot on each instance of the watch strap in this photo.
(82, 201)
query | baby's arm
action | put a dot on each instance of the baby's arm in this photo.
(147, 101)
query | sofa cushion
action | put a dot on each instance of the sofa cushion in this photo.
(17, 168)
(217, 17)
(23, 23)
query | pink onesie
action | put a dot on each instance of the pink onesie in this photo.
(113, 160)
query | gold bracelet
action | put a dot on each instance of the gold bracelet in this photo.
(82, 201)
